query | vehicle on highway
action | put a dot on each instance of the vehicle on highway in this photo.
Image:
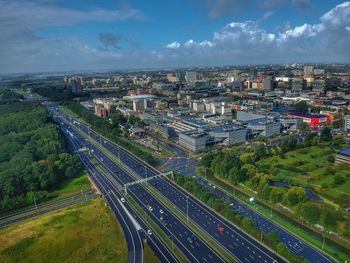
(150, 208)
(221, 229)
(189, 240)
(161, 211)
(149, 232)
(122, 199)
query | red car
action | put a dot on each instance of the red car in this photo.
(221, 229)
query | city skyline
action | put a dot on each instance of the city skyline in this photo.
(49, 35)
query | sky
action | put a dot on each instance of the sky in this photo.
(65, 35)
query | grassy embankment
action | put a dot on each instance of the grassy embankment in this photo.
(83, 233)
(72, 186)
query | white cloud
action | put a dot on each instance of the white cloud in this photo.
(173, 45)
(267, 15)
(247, 42)
(235, 43)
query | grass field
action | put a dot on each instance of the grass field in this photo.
(73, 185)
(83, 233)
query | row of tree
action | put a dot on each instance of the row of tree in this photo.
(33, 155)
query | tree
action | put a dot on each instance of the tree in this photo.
(273, 236)
(326, 134)
(295, 195)
(309, 212)
(304, 127)
(301, 107)
(261, 151)
(331, 217)
(248, 158)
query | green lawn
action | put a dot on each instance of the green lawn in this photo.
(72, 186)
(83, 233)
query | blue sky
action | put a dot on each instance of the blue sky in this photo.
(60, 35)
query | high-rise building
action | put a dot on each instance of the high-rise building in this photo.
(191, 77)
(308, 71)
(76, 84)
(298, 84)
(269, 83)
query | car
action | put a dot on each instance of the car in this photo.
(161, 211)
(122, 199)
(150, 208)
(221, 229)
(161, 218)
(189, 240)
(149, 232)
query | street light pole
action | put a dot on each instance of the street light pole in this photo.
(36, 207)
(323, 242)
(187, 208)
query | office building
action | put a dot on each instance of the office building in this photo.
(191, 77)
(265, 128)
(173, 77)
(308, 71)
(269, 83)
(193, 140)
(298, 84)
(138, 105)
(228, 134)
(347, 123)
(76, 84)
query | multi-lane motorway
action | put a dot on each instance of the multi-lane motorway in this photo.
(241, 246)
(135, 229)
(197, 251)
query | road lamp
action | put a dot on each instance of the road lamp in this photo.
(36, 207)
(172, 242)
(187, 208)
(324, 237)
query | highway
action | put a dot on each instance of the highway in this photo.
(242, 247)
(197, 251)
(29, 213)
(134, 227)
(295, 245)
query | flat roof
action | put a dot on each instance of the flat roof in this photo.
(138, 97)
(224, 128)
(308, 115)
(195, 122)
(345, 152)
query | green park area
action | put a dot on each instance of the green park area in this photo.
(83, 233)
(299, 179)
(313, 167)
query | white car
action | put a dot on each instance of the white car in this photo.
(149, 232)
(161, 211)
(122, 199)
(150, 208)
